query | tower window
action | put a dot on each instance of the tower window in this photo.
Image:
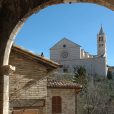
(100, 38)
(99, 45)
(64, 45)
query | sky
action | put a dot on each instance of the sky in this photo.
(79, 22)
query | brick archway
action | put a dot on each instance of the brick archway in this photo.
(13, 13)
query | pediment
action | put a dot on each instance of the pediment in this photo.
(64, 43)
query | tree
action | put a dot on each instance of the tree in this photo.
(98, 99)
(80, 75)
(96, 94)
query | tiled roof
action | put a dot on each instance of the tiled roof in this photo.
(63, 84)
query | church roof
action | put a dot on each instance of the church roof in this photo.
(101, 32)
(65, 39)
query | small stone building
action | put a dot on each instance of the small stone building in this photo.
(29, 91)
(62, 97)
(28, 85)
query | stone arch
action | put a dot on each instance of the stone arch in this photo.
(22, 10)
(13, 13)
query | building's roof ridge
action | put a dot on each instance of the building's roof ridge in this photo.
(37, 57)
(72, 42)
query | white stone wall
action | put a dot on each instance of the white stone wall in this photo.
(68, 100)
(94, 66)
(101, 46)
(77, 56)
(74, 51)
(56, 54)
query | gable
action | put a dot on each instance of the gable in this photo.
(48, 64)
(64, 43)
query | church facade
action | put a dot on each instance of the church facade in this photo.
(70, 54)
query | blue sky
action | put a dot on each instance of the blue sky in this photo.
(79, 22)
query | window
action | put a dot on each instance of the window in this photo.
(56, 104)
(65, 70)
(64, 45)
(101, 45)
(100, 38)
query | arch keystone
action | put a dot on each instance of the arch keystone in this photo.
(70, 1)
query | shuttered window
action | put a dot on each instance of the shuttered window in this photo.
(56, 104)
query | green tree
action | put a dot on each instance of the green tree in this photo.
(80, 75)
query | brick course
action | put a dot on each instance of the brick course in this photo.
(28, 81)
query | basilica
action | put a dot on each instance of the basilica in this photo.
(70, 54)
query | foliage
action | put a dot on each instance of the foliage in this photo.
(98, 97)
(60, 76)
(79, 75)
(79, 71)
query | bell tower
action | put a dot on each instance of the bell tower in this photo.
(101, 43)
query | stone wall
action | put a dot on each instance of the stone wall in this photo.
(68, 100)
(28, 81)
(73, 50)
(93, 66)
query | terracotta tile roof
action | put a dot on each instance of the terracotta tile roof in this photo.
(63, 84)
